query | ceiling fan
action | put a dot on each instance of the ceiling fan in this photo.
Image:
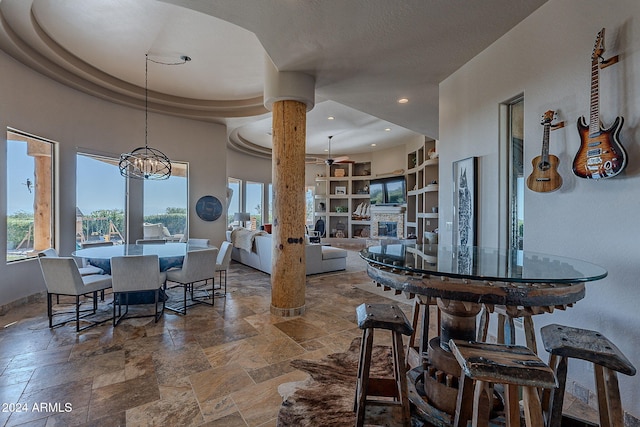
(329, 160)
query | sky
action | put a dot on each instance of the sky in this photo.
(99, 185)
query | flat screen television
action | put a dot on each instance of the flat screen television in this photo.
(388, 191)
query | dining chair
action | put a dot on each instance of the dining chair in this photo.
(198, 242)
(62, 277)
(150, 242)
(198, 266)
(222, 263)
(84, 268)
(137, 273)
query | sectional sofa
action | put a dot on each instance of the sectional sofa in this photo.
(319, 259)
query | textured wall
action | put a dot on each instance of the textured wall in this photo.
(547, 57)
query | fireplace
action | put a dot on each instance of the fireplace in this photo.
(388, 229)
(387, 222)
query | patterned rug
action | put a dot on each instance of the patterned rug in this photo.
(326, 398)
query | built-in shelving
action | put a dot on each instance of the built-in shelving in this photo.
(422, 194)
(343, 188)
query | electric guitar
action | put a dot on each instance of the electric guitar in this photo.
(600, 155)
(545, 176)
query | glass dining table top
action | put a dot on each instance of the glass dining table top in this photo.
(481, 263)
(170, 255)
(162, 250)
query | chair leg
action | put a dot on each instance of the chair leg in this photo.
(511, 405)
(363, 384)
(184, 300)
(464, 402)
(532, 408)
(556, 397)
(50, 309)
(77, 313)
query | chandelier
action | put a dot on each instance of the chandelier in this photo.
(146, 162)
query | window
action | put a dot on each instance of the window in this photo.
(270, 196)
(516, 179)
(100, 199)
(30, 195)
(234, 202)
(309, 208)
(254, 202)
(166, 202)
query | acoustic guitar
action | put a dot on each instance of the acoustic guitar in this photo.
(601, 155)
(545, 176)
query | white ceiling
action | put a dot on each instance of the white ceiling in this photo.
(364, 55)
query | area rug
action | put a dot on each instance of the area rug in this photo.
(326, 398)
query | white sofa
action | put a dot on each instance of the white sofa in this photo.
(319, 259)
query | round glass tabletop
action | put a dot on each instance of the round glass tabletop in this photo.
(480, 263)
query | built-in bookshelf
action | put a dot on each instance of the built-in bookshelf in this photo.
(341, 197)
(422, 192)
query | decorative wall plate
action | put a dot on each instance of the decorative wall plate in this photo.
(208, 208)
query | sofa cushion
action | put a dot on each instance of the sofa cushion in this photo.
(329, 252)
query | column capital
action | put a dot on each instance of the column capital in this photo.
(287, 86)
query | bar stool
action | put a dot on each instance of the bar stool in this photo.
(563, 342)
(511, 365)
(390, 317)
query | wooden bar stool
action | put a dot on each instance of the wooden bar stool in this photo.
(390, 317)
(563, 342)
(510, 365)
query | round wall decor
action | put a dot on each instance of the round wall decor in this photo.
(208, 208)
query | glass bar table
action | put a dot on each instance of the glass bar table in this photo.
(461, 280)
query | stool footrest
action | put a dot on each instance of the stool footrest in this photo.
(383, 387)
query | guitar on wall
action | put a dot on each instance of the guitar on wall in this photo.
(545, 176)
(601, 155)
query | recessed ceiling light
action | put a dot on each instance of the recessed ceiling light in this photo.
(387, 129)
(403, 101)
(330, 118)
(373, 145)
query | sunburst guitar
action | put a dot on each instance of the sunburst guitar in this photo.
(545, 176)
(601, 154)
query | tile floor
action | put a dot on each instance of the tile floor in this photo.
(217, 366)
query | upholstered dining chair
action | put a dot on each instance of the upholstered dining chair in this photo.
(197, 268)
(222, 263)
(198, 242)
(84, 268)
(61, 277)
(137, 273)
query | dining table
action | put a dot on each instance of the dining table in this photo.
(461, 281)
(170, 255)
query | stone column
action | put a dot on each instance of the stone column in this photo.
(289, 95)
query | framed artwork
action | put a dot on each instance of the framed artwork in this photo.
(464, 213)
(341, 190)
(465, 202)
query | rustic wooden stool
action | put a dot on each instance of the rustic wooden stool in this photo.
(510, 365)
(563, 342)
(390, 317)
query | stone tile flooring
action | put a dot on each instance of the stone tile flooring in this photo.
(216, 366)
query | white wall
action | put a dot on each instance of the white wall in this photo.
(547, 57)
(35, 104)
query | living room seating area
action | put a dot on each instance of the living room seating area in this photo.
(254, 248)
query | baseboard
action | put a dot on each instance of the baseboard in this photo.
(40, 296)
